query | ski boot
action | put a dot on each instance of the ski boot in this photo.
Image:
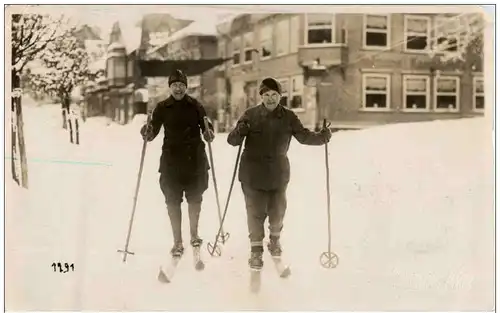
(274, 247)
(177, 250)
(198, 262)
(196, 242)
(256, 264)
(255, 261)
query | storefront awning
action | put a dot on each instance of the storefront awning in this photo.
(158, 68)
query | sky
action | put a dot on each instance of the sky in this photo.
(104, 16)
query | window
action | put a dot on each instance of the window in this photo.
(343, 35)
(130, 68)
(221, 49)
(111, 69)
(294, 34)
(417, 33)
(236, 50)
(248, 47)
(221, 52)
(376, 89)
(250, 93)
(447, 30)
(319, 29)
(283, 37)
(284, 91)
(266, 41)
(416, 93)
(297, 91)
(478, 94)
(120, 71)
(376, 31)
(447, 93)
(195, 54)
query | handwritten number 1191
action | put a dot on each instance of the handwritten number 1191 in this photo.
(62, 269)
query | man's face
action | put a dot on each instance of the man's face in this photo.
(271, 99)
(178, 90)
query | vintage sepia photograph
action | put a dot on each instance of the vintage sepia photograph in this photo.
(218, 157)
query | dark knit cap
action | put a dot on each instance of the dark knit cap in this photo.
(269, 84)
(177, 76)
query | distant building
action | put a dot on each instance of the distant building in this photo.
(122, 94)
(355, 69)
(194, 42)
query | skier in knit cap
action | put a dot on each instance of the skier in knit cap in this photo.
(264, 168)
(183, 164)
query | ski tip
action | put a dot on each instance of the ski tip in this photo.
(254, 280)
(162, 277)
(255, 289)
(286, 272)
(200, 266)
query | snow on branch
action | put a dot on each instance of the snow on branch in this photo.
(457, 37)
(64, 65)
(31, 33)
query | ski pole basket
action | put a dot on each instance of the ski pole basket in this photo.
(125, 251)
(213, 248)
(224, 236)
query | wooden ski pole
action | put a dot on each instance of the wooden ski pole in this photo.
(328, 259)
(213, 248)
(224, 236)
(125, 251)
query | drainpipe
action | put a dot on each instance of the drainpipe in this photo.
(318, 106)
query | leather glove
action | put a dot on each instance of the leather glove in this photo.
(147, 132)
(209, 135)
(243, 128)
(327, 134)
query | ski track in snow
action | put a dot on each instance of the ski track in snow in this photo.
(412, 224)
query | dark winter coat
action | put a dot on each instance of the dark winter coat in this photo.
(183, 153)
(264, 163)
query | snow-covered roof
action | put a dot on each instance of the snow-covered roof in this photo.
(197, 28)
(115, 46)
(131, 36)
(224, 23)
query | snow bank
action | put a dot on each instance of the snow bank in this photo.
(412, 212)
(139, 120)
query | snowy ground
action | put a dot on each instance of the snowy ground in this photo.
(413, 224)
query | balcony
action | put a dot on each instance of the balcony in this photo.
(324, 42)
(327, 55)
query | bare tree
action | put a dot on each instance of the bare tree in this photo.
(31, 33)
(65, 65)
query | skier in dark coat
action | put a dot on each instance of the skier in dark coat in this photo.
(183, 164)
(264, 168)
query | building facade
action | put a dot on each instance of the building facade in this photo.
(122, 92)
(187, 45)
(356, 70)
